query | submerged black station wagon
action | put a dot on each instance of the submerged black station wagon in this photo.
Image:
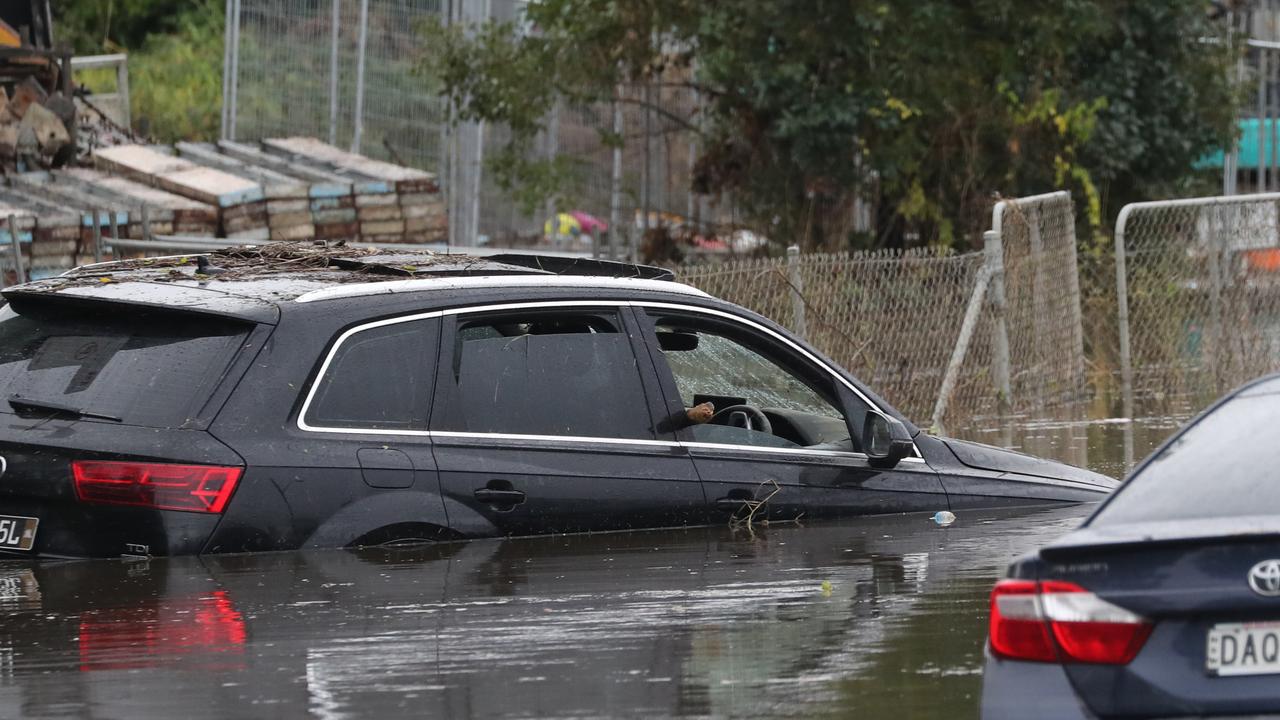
(294, 397)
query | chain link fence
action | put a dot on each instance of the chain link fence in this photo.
(1042, 302)
(345, 71)
(890, 317)
(946, 338)
(1198, 290)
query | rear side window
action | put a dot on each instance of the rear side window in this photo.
(155, 370)
(1223, 466)
(378, 379)
(541, 373)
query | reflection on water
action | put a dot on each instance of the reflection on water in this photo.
(876, 617)
(1111, 447)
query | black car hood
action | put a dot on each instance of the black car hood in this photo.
(987, 457)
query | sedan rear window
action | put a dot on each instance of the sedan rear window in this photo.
(155, 370)
(1216, 468)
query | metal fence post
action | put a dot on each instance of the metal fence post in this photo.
(21, 273)
(1038, 299)
(993, 247)
(552, 138)
(967, 328)
(1217, 342)
(358, 129)
(97, 237)
(615, 189)
(796, 281)
(115, 233)
(227, 49)
(233, 86)
(1122, 317)
(335, 26)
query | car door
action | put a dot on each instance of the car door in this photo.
(354, 464)
(544, 422)
(805, 462)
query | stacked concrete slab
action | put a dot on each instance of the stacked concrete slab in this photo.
(168, 213)
(393, 203)
(279, 189)
(241, 204)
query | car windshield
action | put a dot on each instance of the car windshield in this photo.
(1216, 468)
(155, 370)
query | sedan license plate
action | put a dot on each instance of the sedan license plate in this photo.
(1243, 649)
(17, 533)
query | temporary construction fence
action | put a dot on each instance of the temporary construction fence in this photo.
(944, 337)
(345, 71)
(1198, 293)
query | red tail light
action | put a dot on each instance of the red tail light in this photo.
(194, 488)
(1052, 620)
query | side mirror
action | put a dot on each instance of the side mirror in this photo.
(885, 440)
(677, 341)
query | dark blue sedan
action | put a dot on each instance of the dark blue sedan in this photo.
(1166, 602)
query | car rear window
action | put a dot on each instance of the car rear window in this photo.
(1222, 466)
(152, 369)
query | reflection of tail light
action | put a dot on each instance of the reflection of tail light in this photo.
(207, 628)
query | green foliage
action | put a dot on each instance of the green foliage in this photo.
(176, 80)
(175, 59)
(933, 105)
(98, 26)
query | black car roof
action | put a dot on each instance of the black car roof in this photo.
(251, 282)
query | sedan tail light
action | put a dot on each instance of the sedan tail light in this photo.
(194, 488)
(1051, 620)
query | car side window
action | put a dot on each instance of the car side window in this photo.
(379, 378)
(541, 372)
(742, 376)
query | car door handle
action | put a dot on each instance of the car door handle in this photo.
(730, 504)
(490, 496)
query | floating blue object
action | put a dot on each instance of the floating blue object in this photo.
(943, 518)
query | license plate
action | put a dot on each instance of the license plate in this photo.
(1243, 649)
(17, 533)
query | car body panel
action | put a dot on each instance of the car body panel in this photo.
(37, 482)
(570, 486)
(1184, 569)
(307, 486)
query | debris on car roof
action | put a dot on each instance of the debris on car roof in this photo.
(283, 270)
(314, 260)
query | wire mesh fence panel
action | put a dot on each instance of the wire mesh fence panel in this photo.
(889, 317)
(300, 74)
(1042, 302)
(306, 67)
(1202, 279)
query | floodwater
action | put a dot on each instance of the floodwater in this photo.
(869, 618)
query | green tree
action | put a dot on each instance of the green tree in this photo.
(175, 59)
(97, 26)
(931, 106)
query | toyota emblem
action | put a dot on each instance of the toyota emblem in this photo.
(1264, 578)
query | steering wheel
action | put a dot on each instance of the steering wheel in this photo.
(752, 418)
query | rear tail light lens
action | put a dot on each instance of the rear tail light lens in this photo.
(193, 488)
(1051, 620)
